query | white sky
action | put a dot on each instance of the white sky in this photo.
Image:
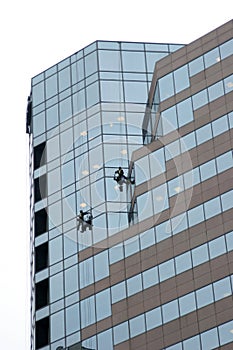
(34, 36)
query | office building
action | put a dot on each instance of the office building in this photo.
(152, 269)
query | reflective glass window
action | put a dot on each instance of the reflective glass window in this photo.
(153, 318)
(87, 312)
(183, 262)
(209, 339)
(118, 292)
(188, 142)
(191, 178)
(103, 304)
(121, 332)
(109, 60)
(55, 250)
(227, 200)
(92, 94)
(105, 340)
(152, 58)
(220, 125)
(147, 239)
(57, 330)
(200, 99)
(157, 162)
(166, 270)
(67, 172)
(145, 208)
(52, 117)
(38, 94)
(176, 347)
(217, 247)
(225, 333)
(196, 65)
(229, 239)
(166, 87)
(228, 84)
(101, 265)
(204, 133)
(208, 170)
(226, 49)
(56, 287)
(79, 101)
(212, 57)
(181, 78)
(215, 91)
(224, 162)
(163, 231)
(200, 255)
(72, 319)
(205, 296)
(136, 92)
(116, 253)
(137, 325)
(65, 109)
(39, 124)
(185, 112)
(66, 141)
(71, 280)
(142, 171)
(111, 91)
(172, 149)
(91, 63)
(134, 285)
(131, 246)
(150, 277)
(170, 311)
(64, 79)
(187, 303)
(175, 186)
(133, 61)
(51, 86)
(179, 223)
(86, 272)
(222, 288)
(195, 215)
(169, 120)
(160, 198)
(192, 343)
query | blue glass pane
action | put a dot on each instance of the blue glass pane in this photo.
(185, 112)
(196, 66)
(133, 61)
(121, 332)
(137, 325)
(103, 305)
(153, 318)
(212, 57)
(226, 49)
(109, 60)
(166, 87)
(215, 91)
(181, 78)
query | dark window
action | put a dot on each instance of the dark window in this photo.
(39, 155)
(40, 188)
(41, 257)
(41, 222)
(42, 333)
(42, 294)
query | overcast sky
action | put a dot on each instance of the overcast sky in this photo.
(34, 36)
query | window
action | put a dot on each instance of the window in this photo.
(39, 155)
(40, 188)
(137, 325)
(41, 257)
(153, 318)
(118, 292)
(170, 311)
(150, 277)
(42, 333)
(134, 285)
(103, 305)
(42, 293)
(121, 333)
(41, 224)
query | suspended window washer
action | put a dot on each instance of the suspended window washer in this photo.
(84, 220)
(120, 177)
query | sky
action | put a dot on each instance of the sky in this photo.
(34, 36)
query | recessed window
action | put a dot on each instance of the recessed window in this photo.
(40, 188)
(42, 294)
(42, 333)
(41, 257)
(41, 222)
(39, 155)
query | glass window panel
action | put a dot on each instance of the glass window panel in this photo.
(79, 101)
(152, 58)
(188, 142)
(208, 170)
(209, 339)
(86, 272)
(222, 288)
(179, 223)
(92, 94)
(121, 332)
(105, 340)
(109, 60)
(66, 141)
(185, 112)
(52, 117)
(175, 186)
(196, 65)
(116, 253)
(133, 61)
(226, 49)
(142, 171)
(203, 134)
(226, 333)
(137, 325)
(64, 79)
(229, 239)
(228, 84)
(170, 311)
(163, 231)
(51, 86)
(195, 215)
(150, 277)
(227, 200)
(166, 270)
(56, 287)
(103, 304)
(72, 319)
(217, 247)
(111, 91)
(118, 292)
(134, 285)
(205, 296)
(192, 343)
(57, 326)
(160, 198)
(65, 109)
(187, 303)
(224, 162)
(39, 124)
(38, 94)
(145, 208)
(136, 92)
(153, 318)
(215, 91)
(157, 162)
(200, 255)
(166, 87)
(183, 262)
(131, 246)
(212, 57)
(200, 99)
(172, 150)
(169, 120)
(71, 280)
(181, 78)
(91, 63)
(55, 250)
(147, 239)
(101, 265)
(88, 312)
(67, 172)
(177, 347)
(220, 125)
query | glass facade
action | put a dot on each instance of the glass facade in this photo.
(157, 249)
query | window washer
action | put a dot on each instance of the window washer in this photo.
(120, 176)
(84, 220)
